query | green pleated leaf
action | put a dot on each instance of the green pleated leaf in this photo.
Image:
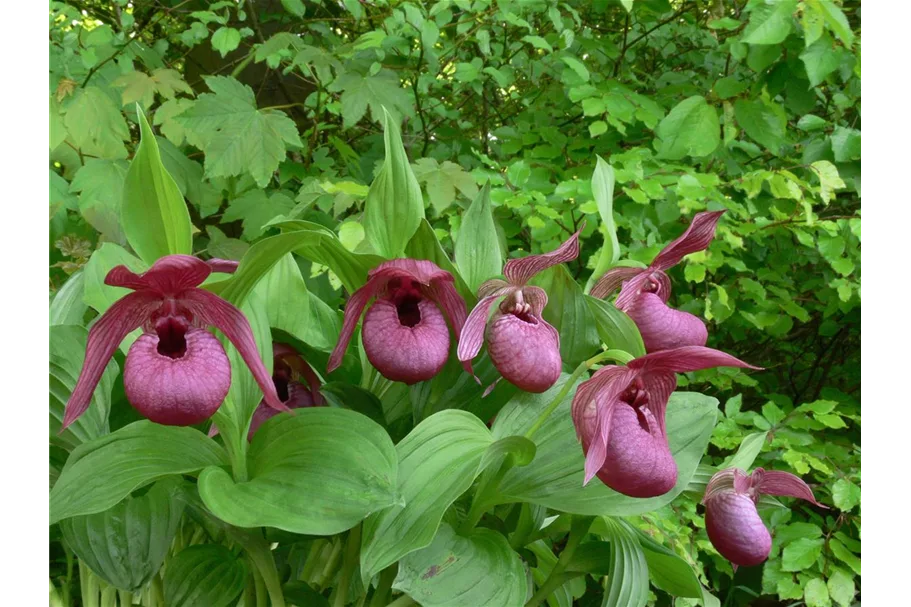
(102, 472)
(569, 314)
(287, 302)
(205, 574)
(616, 329)
(394, 205)
(668, 571)
(603, 191)
(67, 307)
(126, 544)
(453, 571)
(245, 394)
(554, 477)
(154, 215)
(425, 245)
(67, 351)
(318, 472)
(438, 461)
(628, 570)
(477, 251)
(347, 396)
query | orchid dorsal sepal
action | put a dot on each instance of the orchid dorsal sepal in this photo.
(519, 271)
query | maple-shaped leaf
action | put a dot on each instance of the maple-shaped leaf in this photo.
(141, 87)
(95, 124)
(359, 91)
(165, 118)
(442, 180)
(255, 209)
(236, 137)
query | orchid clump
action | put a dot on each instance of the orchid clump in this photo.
(644, 292)
(619, 415)
(523, 347)
(731, 519)
(176, 373)
(404, 331)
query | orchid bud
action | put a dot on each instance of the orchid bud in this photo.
(295, 382)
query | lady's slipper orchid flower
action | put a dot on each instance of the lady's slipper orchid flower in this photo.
(523, 347)
(176, 373)
(287, 365)
(644, 292)
(619, 418)
(404, 332)
(731, 518)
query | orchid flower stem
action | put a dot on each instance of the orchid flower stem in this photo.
(259, 584)
(402, 601)
(567, 386)
(577, 531)
(109, 597)
(55, 600)
(387, 576)
(352, 550)
(126, 598)
(482, 499)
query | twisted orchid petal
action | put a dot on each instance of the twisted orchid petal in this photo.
(613, 279)
(520, 271)
(697, 237)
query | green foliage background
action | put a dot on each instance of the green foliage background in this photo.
(274, 109)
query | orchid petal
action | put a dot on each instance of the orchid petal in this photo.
(489, 287)
(631, 290)
(613, 279)
(408, 354)
(736, 530)
(536, 297)
(686, 359)
(520, 271)
(721, 482)
(353, 310)
(774, 482)
(525, 349)
(225, 266)
(659, 386)
(697, 237)
(293, 359)
(443, 293)
(168, 276)
(471, 339)
(421, 270)
(213, 310)
(124, 316)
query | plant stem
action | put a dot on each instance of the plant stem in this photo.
(402, 601)
(567, 386)
(352, 550)
(387, 576)
(55, 600)
(260, 589)
(126, 598)
(481, 501)
(109, 597)
(156, 595)
(331, 563)
(577, 531)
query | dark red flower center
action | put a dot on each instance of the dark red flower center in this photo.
(171, 331)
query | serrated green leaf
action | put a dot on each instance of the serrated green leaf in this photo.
(100, 185)
(829, 180)
(834, 18)
(691, 128)
(764, 121)
(820, 60)
(845, 495)
(841, 588)
(225, 40)
(770, 22)
(96, 125)
(816, 594)
(801, 554)
(381, 90)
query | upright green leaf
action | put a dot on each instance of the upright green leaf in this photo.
(477, 250)
(425, 245)
(453, 571)
(67, 352)
(616, 329)
(127, 544)
(628, 569)
(834, 18)
(67, 306)
(394, 206)
(318, 472)
(668, 571)
(820, 60)
(100, 473)
(569, 314)
(746, 454)
(554, 477)
(690, 129)
(438, 461)
(154, 215)
(603, 191)
(204, 574)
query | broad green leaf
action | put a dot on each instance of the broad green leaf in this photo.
(165, 118)
(96, 125)
(379, 91)
(477, 250)
(598, 127)
(295, 7)
(394, 206)
(829, 180)
(57, 127)
(554, 477)
(841, 588)
(603, 192)
(628, 569)
(845, 144)
(60, 196)
(842, 553)
(154, 215)
(225, 40)
(204, 574)
(318, 472)
(538, 42)
(67, 352)
(442, 180)
(801, 554)
(628, 5)
(691, 128)
(834, 18)
(816, 593)
(127, 544)
(749, 449)
(668, 571)
(100, 473)
(577, 66)
(764, 121)
(141, 87)
(845, 495)
(347, 396)
(729, 87)
(438, 462)
(770, 22)
(615, 328)
(236, 137)
(820, 59)
(425, 245)
(811, 123)
(99, 184)
(480, 570)
(68, 307)
(567, 311)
